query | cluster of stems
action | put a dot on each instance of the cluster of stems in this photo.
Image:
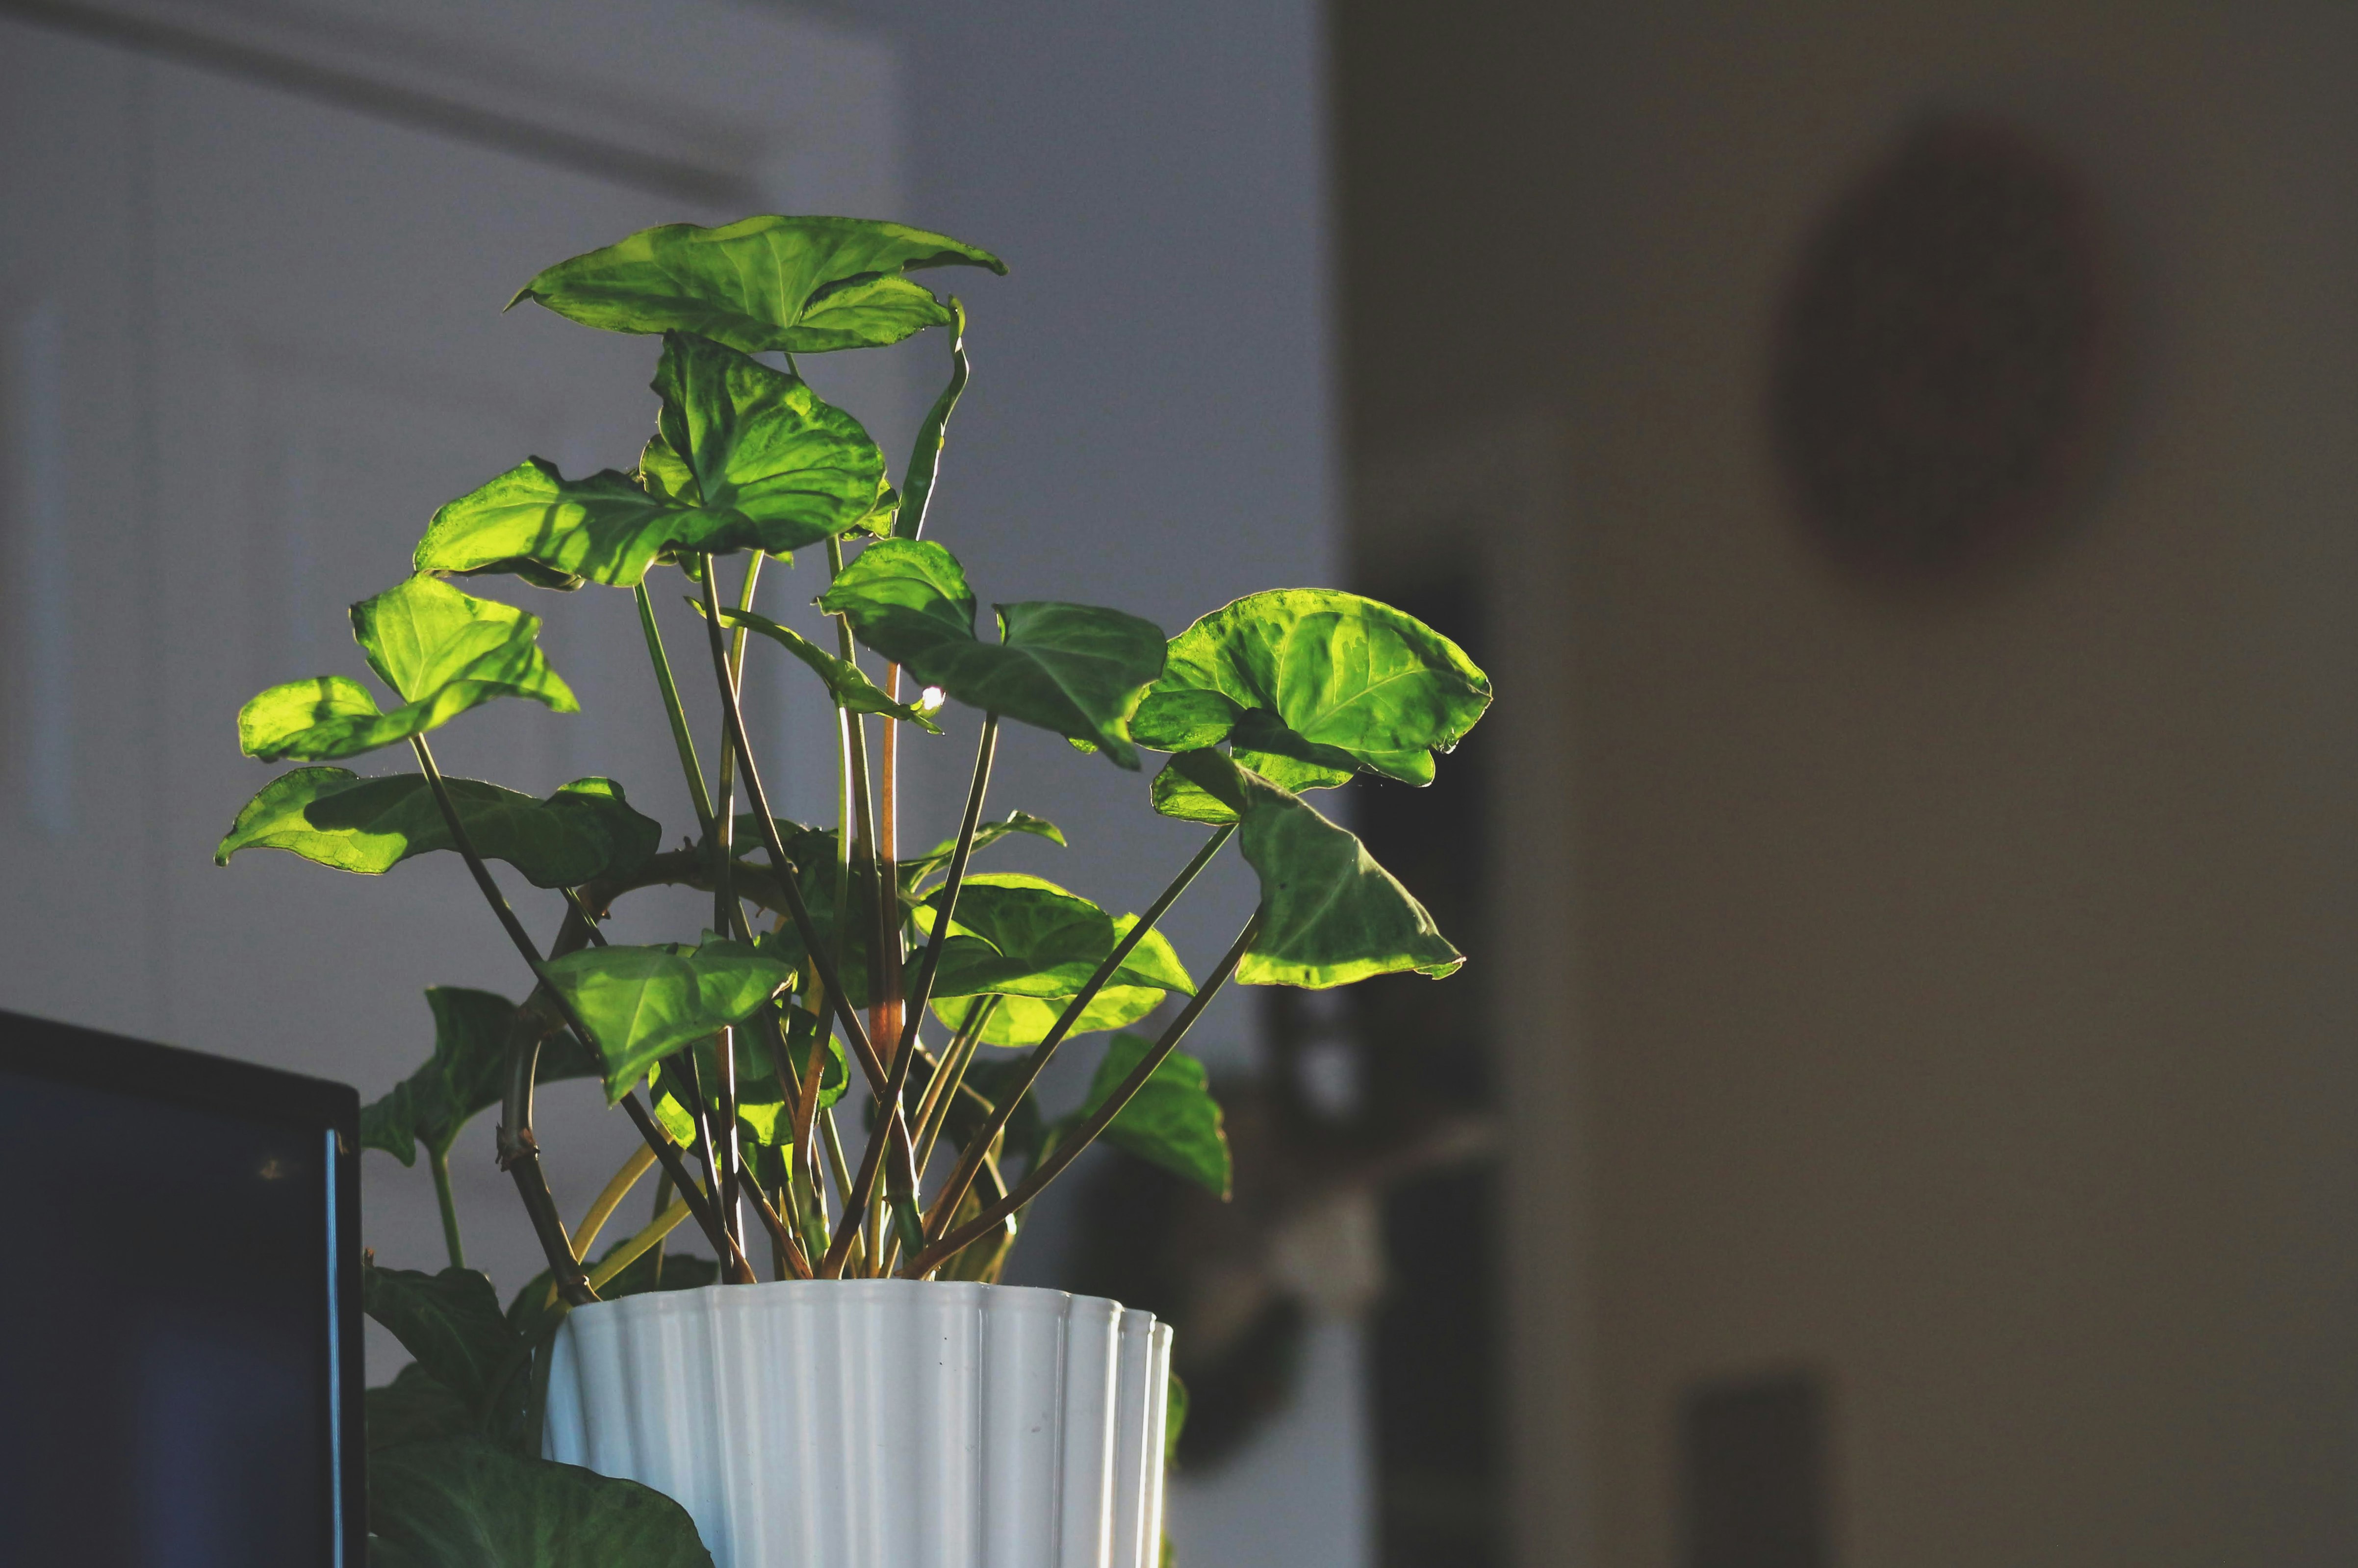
(824, 1219)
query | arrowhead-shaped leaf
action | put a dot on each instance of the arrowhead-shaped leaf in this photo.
(1076, 669)
(443, 652)
(1312, 685)
(468, 1073)
(555, 531)
(1041, 941)
(333, 816)
(644, 1002)
(1329, 913)
(1172, 1121)
(772, 466)
(468, 1503)
(802, 284)
(846, 683)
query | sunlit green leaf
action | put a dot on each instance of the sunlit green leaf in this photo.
(764, 1101)
(1329, 913)
(1076, 669)
(442, 651)
(1311, 685)
(468, 1503)
(333, 816)
(797, 284)
(846, 683)
(773, 467)
(1172, 1122)
(1020, 1021)
(1041, 941)
(557, 532)
(1199, 787)
(643, 1002)
(466, 1073)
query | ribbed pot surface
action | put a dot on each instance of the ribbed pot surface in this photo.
(877, 1423)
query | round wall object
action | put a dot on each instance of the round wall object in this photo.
(1941, 353)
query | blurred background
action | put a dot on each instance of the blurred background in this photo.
(1889, 457)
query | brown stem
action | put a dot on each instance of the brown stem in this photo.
(1070, 1149)
(904, 1183)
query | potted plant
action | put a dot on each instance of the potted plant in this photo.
(879, 1398)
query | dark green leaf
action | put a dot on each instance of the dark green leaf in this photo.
(1172, 1121)
(1315, 684)
(468, 1503)
(925, 457)
(1076, 669)
(846, 683)
(555, 531)
(797, 284)
(773, 467)
(468, 1073)
(586, 830)
(442, 651)
(450, 1321)
(644, 1002)
(416, 1407)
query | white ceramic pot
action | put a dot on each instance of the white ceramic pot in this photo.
(877, 1423)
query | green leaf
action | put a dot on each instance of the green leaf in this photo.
(1312, 685)
(773, 467)
(1041, 941)
(1172, 1121)
(764, 1102)
(442, 651)
(416, 1407)
(1174, 1422)
(1020, 1022)
(468, 1073)
(333, 816)
(846, 684)
(1329, 913)
(797, 284)
(1199, 787)
(468, 1503)
(643, 1002)
(450, 1321)
(555, 531)
(1076, 669)
(937, 858)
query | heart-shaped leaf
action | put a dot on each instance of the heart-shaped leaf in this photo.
(443, 652)
(802, 284)
(333, 816)
(1329, 913)
(450, 1321)
(468, 1073)
(1076, 669)
(641, 1003)
(1312, 685)
(773, 468)
(555, 531)
(846, 682)
(468, 1503)
(1172, 1122)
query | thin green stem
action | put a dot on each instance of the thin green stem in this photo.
(1070, 1149)
(688, 766)
(727, 1154)
(880, 1022)
(945, 1202)
(933, 1109)
(440, 1162)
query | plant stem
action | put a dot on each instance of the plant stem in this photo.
(882, 1024)
(888, 861)
(901, 1186)
(932, 1110)
(688, 766)
(727, 1154)
(1070, 1149)
(641, 1160)
(630, 1252)
(945, 1202)
(440, 1162)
